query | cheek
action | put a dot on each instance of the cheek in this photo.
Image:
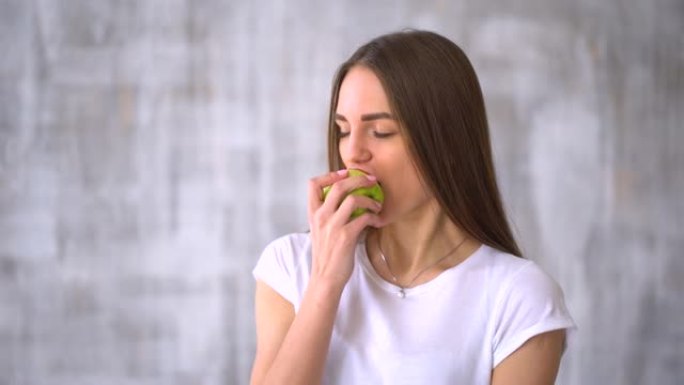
(412, 183)
(406, 185)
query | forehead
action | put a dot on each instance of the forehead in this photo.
(361, 92)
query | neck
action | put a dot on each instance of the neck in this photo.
(413, 244)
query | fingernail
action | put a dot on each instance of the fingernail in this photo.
(342, 171)
(371, 178)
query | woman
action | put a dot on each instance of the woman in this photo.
(429, 286)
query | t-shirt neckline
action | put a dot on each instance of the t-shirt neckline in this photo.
(437, 281)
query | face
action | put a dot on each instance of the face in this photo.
(371, 140)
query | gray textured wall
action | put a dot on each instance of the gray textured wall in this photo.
(150, 149)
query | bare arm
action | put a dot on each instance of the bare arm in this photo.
(274, 315)
(293, 350)
(535, 363)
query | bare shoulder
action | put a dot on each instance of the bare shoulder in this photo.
(274, 315)
(536, 362)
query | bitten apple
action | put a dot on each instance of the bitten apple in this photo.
(374, 192)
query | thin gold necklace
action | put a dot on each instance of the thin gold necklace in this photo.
(402, 289)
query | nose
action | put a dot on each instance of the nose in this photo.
(354, 148)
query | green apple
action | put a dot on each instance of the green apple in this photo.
(374, 192)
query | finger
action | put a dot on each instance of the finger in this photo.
(316, 184)
(343, 215)
(367, 219)
(344, 187)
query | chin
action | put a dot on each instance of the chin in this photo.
(385, 217)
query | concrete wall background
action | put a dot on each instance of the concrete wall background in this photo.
(150, 149)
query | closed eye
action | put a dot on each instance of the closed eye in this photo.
(383, 135)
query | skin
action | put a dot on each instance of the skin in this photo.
(410, 226)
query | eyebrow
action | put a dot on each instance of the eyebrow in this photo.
(368, 117)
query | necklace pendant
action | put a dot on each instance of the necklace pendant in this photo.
(401, 293)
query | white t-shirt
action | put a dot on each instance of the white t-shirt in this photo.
(453, 329)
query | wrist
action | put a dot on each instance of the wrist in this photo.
(324, 291)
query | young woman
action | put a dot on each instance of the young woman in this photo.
(428, 287)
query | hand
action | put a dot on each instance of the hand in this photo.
(334, 235)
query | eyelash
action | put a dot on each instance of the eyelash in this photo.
(378, 135)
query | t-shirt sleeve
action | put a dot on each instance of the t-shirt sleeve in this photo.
(532, 304)
(276, 268)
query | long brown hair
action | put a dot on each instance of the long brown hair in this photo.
(435, 95)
